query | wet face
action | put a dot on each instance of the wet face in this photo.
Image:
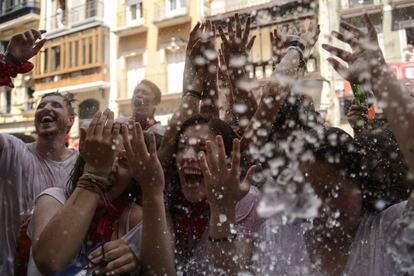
(341, 209)
(143, 100)
(190, 144)
(52, 117)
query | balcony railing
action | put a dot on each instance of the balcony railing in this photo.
(127, 18)
(225, 6)
(62, 19)
(170, 9)
(16, 10)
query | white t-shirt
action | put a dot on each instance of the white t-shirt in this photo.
(24, 174)
(282, 251)
(132, 238)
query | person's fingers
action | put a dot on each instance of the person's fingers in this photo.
(38, 46)
(101, 122)
(372, 32)
(221, 152)
(349, 39)
(211, 157)
(203, 164)
(82, 136)
(127, 142)
(245, 185)
(235, 161)
(42, 31)
(230, 29)
(139, 136)
(115, 132)
(238, 26)
(92, 125)
(153, 146)
(115, 264)
(36, 34)
(246, 32)
(251, 43)
(342, 54)
(108, 126)
(29, 37)
(222, 35)
(351, 28)
(341, 69)
(123, 269)
(194, 31)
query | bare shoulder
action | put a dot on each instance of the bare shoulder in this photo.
(134, 212)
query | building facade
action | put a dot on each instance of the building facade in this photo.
(16, 104)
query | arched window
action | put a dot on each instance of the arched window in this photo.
(87, 109)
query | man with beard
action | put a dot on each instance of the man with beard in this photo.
(146, 97)
(28, 169)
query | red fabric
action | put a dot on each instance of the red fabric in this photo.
(104, 224)
(194, 223)
(9, 70)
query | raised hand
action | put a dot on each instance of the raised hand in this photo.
(366, 60)
(237, 45)
(223, 185)
(143, 164)
(97, 143)
(358, 117)
(119, 257)
(25, 45)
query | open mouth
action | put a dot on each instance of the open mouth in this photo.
(193, 177)
(47, 119)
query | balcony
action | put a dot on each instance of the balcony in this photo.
(227, 6)
(25, 8)
(351, 8)
(62, 20)
(130, 20)
(171, 12)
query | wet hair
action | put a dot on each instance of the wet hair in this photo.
(175, 198)
(154, 88)
(337, 148)
(68, 98)
(216, 126)
(386, 166)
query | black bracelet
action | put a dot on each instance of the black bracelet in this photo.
(229, 238)
(195, 94)
(296, 43)
(12, 59)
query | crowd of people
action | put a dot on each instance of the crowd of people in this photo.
(231, 185)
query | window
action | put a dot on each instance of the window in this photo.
(8, 100)
(175, 70)
(76, 53)
(135, 72)
(134, 10)
(29, 98)
(55, 58)
(46, 61)
(360, 2)
(87, 109)
(176, 4)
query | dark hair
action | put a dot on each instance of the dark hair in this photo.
(218, 127)
(338, 149)
(154, 88)
(68, 98)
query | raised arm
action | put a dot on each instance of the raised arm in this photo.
(58, 235)
(366, 66)
(157, 255)
(227, 253)
(276, 91)
(235, 49)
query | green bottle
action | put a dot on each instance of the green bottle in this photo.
(359, 94)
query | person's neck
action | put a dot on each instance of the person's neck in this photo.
(52, 148)
(333, 254)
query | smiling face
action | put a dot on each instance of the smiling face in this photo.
(52, 117)
(341, 209)
(143, 101)
(190, 144)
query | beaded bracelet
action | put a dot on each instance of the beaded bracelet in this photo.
(96, 179)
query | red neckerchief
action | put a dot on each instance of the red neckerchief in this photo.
(192, 225)
(9, 70)
(104, 224)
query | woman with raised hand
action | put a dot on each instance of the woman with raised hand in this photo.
(214, 217)
(96, 226)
